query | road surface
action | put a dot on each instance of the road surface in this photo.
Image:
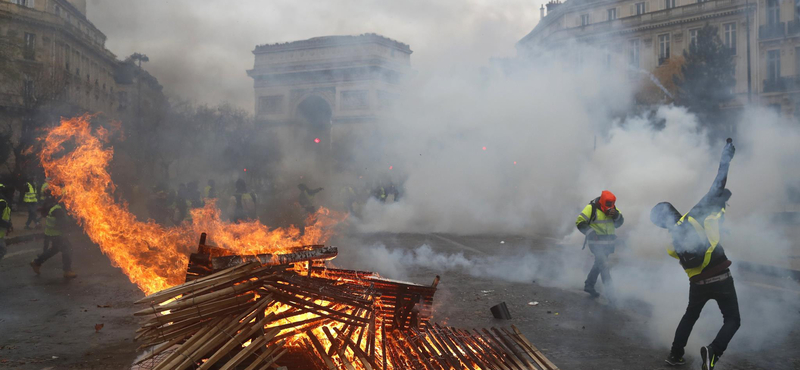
(49, 323)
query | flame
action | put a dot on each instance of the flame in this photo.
(152, 256)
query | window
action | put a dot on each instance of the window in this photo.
(28, 89)
(773, 12)
(67, 52)
(634, 55)
(612, 14)
(28, 3)
(663, 48)
(773, 65)
(797, 10)
(669, 4)
(30, 46)
(57, 10)
(730, 36)
(640, 8)
(584, 19)
(797, 62)
(693, 36)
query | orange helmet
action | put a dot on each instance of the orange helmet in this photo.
(607, 200)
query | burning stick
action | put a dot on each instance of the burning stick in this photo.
(257, 312)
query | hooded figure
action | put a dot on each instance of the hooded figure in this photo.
(599, 221)
(696, 245)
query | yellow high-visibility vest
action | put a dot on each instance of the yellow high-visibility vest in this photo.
(6, 216)
(50, 223)
(30, 195)
(708, 231)
(602, 224)
(44, 187)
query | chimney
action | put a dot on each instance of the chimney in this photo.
(541, 12)
(552, 5)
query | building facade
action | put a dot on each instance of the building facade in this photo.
(54, 63)
(355, 75)
(644, 34)
(329, 91)
(60, 56)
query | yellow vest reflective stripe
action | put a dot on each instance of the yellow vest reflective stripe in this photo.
(710, 232)
(50, 223)
(44, 187)
(602, 224)
(6, 216)
(30, 196)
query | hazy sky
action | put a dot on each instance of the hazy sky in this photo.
(200, 50)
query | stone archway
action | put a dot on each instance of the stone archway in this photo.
(314, 119)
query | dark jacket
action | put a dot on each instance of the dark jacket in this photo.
(686, 240)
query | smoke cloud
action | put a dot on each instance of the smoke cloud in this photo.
(200, 50)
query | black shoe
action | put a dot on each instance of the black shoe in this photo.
(673, 360)
(709, 358)
(591, 292)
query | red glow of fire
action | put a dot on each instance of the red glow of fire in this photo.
(317, 140)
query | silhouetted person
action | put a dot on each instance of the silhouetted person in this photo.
(695, 243)
(242, 205)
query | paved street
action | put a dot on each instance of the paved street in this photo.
(50, 323)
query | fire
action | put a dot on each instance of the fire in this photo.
(152, 256)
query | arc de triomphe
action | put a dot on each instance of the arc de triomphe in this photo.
(333, 88)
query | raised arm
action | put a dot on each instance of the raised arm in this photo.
(722, 174)
(717, 195)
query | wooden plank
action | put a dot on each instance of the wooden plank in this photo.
(533, 348)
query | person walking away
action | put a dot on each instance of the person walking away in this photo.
(241, 205)
(696, 245)
(56, 238)
(30, 201)
(599, 221)
(5, 220)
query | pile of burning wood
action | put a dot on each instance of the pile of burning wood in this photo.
(291, 311)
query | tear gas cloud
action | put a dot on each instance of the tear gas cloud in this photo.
(200, 50)
(562, 124)
(556, 133)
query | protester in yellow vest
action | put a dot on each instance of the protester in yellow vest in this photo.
(695, 243)
(599, 221)
(30, 200)
(44, 188)
(5, 220)
(56, 240)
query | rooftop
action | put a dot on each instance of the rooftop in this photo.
(328, 41)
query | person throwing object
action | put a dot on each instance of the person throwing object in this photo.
(696, 244)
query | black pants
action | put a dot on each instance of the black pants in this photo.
(56, 244)
(725, 294)
(32, 217)
(600, 267)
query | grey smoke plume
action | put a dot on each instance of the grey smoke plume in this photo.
(199, 50)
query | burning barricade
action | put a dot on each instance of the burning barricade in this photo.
(265, 311)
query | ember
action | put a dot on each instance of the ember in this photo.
(253, 312)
